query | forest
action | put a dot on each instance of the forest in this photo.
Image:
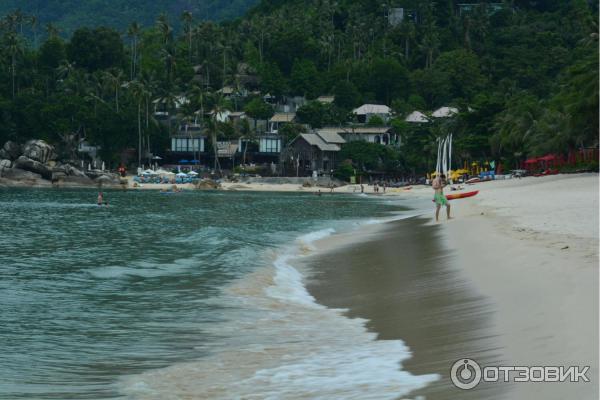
(523, 74)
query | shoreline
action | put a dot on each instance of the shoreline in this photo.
(530, 283)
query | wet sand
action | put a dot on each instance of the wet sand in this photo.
(403, 280)
(512, 280)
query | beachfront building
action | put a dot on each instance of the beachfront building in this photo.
(313, 152)
(365, 112)
(188, 142)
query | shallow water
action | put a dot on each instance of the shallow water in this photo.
(142, 298)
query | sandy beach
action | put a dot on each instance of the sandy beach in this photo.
(512, 280)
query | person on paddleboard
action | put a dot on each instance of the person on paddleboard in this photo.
(440, 200)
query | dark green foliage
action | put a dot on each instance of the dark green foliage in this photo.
(524, 79)
(366, 156)
(95, 49)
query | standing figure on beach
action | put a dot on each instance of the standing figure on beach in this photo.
(440, 200)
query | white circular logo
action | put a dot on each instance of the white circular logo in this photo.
(465, 373)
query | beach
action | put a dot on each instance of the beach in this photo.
(512, 280)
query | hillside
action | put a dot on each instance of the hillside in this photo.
(69, 15)
(523, 75)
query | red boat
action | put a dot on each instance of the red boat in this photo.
(461, 195)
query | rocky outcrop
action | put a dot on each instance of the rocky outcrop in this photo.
(39, 150)
(207, 184)
(34, 166)
(10, 151)
(17, 174)
(4, 164)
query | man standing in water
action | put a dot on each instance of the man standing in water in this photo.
(100, 198)
(440, 200)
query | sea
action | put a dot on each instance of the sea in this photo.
(190, 295)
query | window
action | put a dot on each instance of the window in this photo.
(187, 145)
(269, 145)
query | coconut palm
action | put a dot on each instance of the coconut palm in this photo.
(14, 49)
(133, 32)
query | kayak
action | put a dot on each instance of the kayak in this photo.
(473, 180)
(461, 195)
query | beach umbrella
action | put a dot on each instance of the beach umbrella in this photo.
(193, 173)
(181, 175)
(194, 161)
(157, 158)
(183, 161)
(149, 172)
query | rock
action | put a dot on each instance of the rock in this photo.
(39, 150)
(72, 171)
(208, 184)
(10, 150)
(4, 164)
(307, 184)
(34, 166)
(17, 174)
(74, 181)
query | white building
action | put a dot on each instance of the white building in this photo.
(367, 111)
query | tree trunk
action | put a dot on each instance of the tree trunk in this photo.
(139, 133)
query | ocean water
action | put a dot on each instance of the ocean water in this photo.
(191, 295)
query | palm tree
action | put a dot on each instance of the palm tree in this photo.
(133, 32)
(187, 19)
(407, 31)
(139, 93)
(13, 46)
(52, 30)
(114, 79)
(219, 107)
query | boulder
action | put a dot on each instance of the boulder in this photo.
(10, 150)
(72, 171)
(17, 174)
(207, 184)
(74, 181)
(39, 150)
(4, 164)
(34, 166)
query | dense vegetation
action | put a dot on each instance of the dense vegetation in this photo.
(524, 77)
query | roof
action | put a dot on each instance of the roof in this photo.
(226, 90)
(283, 117)
(325, 99)
(237, 114)
(444, 112)
(372, 109)
(416, 116)
(315, 140)
(365, 130)
(330, 136)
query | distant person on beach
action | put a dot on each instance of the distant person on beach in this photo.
(440, 200)
(100, 198)
(362, 188)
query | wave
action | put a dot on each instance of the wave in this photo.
(279, 343)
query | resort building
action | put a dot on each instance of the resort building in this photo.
(188, 140)
(310, 152)
(416, 117)
(372, 134)
(365, 112)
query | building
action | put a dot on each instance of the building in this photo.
(365, 112)
(278, 120)
(188, 141)
(416, 117)
(445, 112)
(395, 16)
(326, 99)
(310, 152)
(372, 134)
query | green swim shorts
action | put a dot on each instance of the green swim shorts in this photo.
(440, 199)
